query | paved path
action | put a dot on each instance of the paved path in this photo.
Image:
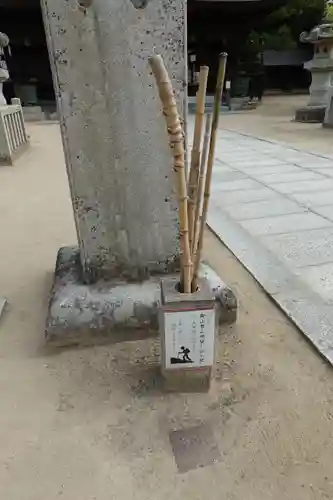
(272, 205)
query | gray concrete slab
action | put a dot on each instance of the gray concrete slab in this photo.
(296, 157)
(303, 248)
(227, 174)
(222, 166)
(312, 315)
(283, 232)
(276, 150)
(264, 208)
(229, 154)
(297, 176)
(320, 279)
(303, 306)
(284, 168)
(257, 162)
(267, 268)
(305, 186)
(325, 171)
(315, 164)
(315, 199)
(235, 185)
(285, 223)
(325, 211)
(235, 197)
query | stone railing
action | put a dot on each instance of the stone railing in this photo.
(13, 135)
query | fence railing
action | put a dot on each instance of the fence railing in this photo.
(13, 135)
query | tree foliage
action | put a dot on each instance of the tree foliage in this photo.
(329, 13)
(284, 26)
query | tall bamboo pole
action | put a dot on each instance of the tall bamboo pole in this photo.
(195, 155)
(211, 156)
(198, 206)
(176, 141)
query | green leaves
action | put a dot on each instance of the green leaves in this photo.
(329, 13)
(284, 26)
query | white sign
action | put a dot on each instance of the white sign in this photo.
(189, 338)
(228, 85)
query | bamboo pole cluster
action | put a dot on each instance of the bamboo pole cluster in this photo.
(193, 193)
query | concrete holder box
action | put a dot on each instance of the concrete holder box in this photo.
(187, 325)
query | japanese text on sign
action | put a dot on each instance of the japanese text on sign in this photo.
(189, 338)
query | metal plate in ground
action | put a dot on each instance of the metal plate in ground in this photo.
(194, 447)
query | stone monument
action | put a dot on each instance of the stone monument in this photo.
(321, 68)
(118, 163)
(4, 75)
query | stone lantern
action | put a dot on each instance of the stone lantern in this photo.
(4, 75)
(321, 68)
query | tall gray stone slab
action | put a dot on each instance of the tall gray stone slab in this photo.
(117, 154)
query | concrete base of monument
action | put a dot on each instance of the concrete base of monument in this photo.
(113, 311)
(310, 114)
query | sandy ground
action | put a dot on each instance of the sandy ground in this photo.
(93, 424)
(274, 120)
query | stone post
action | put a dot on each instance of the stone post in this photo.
(118, 162)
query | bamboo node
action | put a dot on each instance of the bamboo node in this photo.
(176, 144)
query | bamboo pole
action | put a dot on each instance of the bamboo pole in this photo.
(196, 150)
(198, 206)
(176, 141)
(210, 162)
